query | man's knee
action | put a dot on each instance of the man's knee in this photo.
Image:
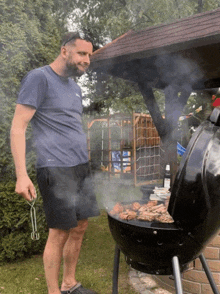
(58, 236)
(83, 224)
(81, 227)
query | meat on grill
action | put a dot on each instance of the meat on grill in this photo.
(151, 211)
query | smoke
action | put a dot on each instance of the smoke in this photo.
(178, 71)
(179, 75)
(110, 191)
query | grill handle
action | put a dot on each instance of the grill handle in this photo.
(215, 116)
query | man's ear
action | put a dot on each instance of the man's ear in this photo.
(63, 51)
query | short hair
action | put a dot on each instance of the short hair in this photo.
(72, 37)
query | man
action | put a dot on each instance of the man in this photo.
(52, 102)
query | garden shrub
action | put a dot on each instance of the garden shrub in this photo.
(15, 225)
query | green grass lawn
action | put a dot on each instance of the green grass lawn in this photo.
(94, 269)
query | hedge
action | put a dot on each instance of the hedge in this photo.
(15, 225)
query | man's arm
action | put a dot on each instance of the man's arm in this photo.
(22, 116)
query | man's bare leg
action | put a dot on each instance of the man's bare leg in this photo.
(71, 254)
(52, 258)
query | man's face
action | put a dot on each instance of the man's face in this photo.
(78, 57)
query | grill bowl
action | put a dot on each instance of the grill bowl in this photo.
(150, 246)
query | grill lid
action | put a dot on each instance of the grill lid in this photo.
(195, 197)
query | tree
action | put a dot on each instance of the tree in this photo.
(108, 19)
(29, 38)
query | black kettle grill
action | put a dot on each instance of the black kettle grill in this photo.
(164, 249)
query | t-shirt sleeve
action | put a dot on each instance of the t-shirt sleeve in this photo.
(33, 89)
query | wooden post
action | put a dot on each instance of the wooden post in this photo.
(109, 149)
(88, 141)
(134, 149)
(175, 99)
(121, 147)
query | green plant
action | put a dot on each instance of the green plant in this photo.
(15, 225)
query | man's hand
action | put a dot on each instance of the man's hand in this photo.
(25, 188)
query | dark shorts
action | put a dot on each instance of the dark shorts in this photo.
(68, 195)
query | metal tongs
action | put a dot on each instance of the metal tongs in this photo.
(34, 234)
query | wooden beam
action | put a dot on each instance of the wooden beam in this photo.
(154, 110)
(175, 99)
(208, 84)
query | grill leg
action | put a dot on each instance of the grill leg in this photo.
(177, 275)
(208, 274)
(115, 270)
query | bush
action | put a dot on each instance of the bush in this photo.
(15, 225)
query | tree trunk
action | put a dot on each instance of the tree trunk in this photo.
(200, 6)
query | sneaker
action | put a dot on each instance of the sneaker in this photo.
(78, 289)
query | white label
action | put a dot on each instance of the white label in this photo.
(166, 183)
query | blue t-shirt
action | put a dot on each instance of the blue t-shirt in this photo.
(56, 124)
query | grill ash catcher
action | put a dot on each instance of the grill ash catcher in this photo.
(168, 248)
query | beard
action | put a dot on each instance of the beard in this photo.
(73, 70)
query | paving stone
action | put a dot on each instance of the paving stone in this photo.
(133, 273)
(147, 292)
(142, 288)
(135, 281)
(161, 291)
(140, 274)
(144, 284)
(149, 283)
